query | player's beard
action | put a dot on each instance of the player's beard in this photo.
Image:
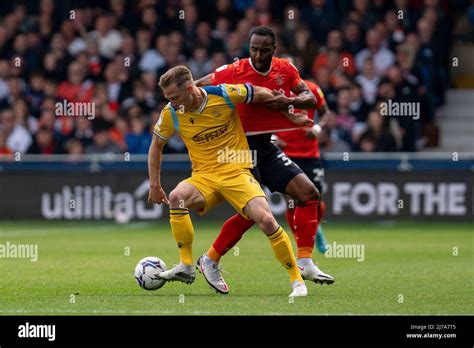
(263, 66)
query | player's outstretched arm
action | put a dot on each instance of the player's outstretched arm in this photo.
(304, 99)
(263, 94)
(204, 81)
(156, 193)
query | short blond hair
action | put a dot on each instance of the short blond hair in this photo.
(180, 75)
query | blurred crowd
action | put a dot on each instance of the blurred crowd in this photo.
(112, 53)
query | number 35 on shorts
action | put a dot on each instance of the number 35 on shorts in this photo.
(285, 159)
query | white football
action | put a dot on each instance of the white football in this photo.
(146, 273)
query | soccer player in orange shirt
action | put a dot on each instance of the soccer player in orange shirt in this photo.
(273, 168)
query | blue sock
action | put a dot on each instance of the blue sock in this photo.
(321, 243)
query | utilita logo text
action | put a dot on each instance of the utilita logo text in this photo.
(98, 202)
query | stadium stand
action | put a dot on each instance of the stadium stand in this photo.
(110, 55)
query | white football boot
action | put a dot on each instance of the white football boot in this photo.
(299, 289)
(309, 271)
(181, 272)
(212, 273)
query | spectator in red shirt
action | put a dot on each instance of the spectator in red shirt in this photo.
(345, 60)
(4, 149)
(76, 89)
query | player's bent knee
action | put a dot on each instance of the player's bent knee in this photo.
(302, 189)
(313, 194)
(308, 193)
(177, 199)
(267, 223)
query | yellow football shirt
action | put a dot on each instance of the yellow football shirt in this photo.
(213, 134)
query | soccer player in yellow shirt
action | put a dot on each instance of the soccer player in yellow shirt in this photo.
(208, 123)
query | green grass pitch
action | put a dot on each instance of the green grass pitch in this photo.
(83, 269)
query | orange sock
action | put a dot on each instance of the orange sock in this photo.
(213, 254)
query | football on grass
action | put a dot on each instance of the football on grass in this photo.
(146, 273)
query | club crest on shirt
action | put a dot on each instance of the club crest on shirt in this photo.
(279, 79)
